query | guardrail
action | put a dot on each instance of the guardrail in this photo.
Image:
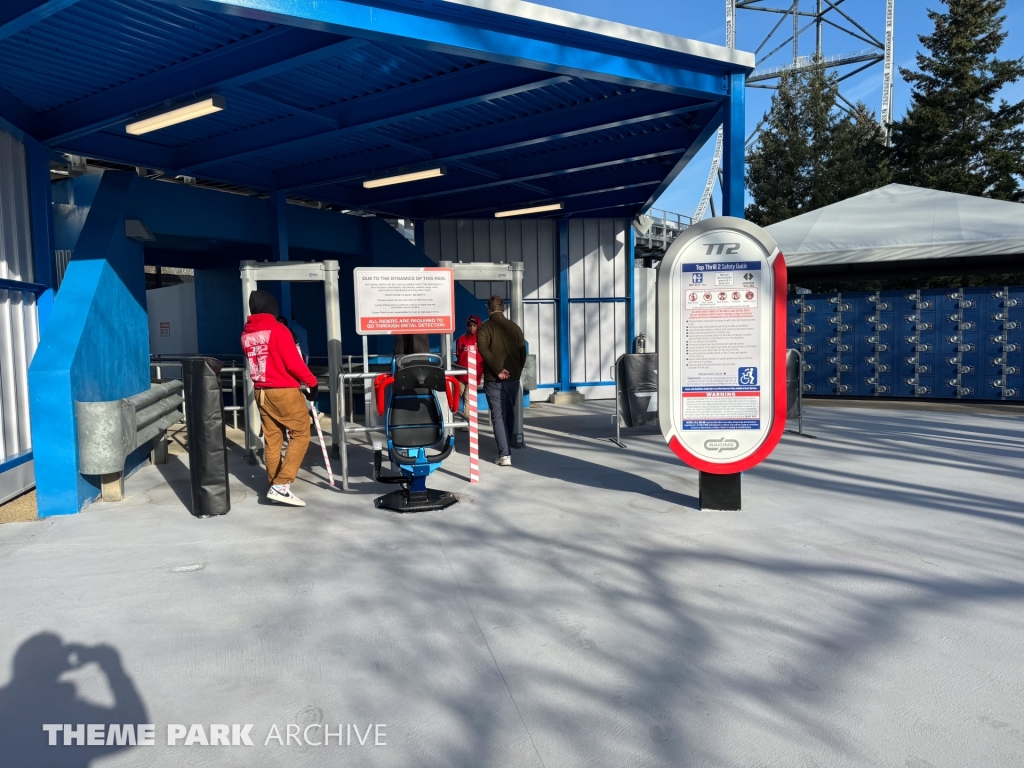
(664, 227)
(110, 430)
(159, 364)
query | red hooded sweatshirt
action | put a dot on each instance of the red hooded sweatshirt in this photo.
(462, 345)
(274, 360)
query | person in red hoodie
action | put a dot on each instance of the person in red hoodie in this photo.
(462, 345)
(277, 371)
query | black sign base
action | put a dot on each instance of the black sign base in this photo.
(720, 491)
(427, 500)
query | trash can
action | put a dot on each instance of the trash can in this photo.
(207, 449)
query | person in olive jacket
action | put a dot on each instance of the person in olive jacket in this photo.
(503, 347)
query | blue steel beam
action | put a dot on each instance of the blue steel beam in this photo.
(564, 375)
(253, 58)
(706, 132)
(734, 149)
(427, 97)
(275, 104)
(279, 245)
(562, 188)
(485, 208)
(643, 146)
(132, 151)
(41, 206)
(15, 117)
(18, 15)
(603, 114)
(456, 30)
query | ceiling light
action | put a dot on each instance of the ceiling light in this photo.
(384, 181)
(532, 209)
(206, 106)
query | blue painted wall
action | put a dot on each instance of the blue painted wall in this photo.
(218, 310)
(72, 201)
(95, 345)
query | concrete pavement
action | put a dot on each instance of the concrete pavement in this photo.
(864, 609)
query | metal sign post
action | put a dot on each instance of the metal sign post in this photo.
(722, 382)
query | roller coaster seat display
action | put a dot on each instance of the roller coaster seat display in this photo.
(407, 398)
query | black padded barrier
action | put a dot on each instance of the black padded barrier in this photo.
(207, 447)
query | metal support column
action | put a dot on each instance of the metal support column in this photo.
(630, 288)
(564, 368)
(516, 294)
(332, 303)
(733, 143)
(279, 204)
(369, 414)
(41, 206)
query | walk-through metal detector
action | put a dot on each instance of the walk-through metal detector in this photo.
(485, 272)
(325, 272)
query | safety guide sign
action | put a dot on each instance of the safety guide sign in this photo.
(404, 300)
(721, 346)
(721, 301)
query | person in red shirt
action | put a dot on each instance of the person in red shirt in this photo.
(277, 371)
(462, 345)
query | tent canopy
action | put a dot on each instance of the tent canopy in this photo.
(901, 223)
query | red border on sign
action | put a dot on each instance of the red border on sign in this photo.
(779, 393)
(362, 321)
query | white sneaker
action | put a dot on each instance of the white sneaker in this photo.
(504, 461)
(282, 494)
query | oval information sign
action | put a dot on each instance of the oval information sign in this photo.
(722, 345)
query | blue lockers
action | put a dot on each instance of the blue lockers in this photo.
(961, 343)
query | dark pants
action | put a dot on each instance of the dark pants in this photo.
(501, 399)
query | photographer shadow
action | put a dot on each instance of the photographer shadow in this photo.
(37, 696)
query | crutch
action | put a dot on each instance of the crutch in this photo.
(320, 434)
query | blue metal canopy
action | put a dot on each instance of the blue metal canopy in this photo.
(521, 104)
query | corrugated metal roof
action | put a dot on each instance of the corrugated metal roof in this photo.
(367, 70)
(96, 45)
(329, 111)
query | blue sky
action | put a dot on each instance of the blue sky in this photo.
(705, 20)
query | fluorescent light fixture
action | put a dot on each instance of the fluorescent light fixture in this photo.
(532, 209)
(401, 178)
(206, 106)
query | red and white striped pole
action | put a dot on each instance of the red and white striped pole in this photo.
(474, 438)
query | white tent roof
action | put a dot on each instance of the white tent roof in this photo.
(896, 223)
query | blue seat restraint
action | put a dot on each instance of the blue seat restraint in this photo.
(417, 439)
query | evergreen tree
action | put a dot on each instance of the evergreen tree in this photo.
(811, 154)
(858, 159)
(952, 137)
(776, 165)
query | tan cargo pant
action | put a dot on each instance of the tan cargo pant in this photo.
(280, 410)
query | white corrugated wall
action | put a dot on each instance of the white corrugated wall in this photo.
(598, 291)
(19, 331)
(598, 285)
(533, 242)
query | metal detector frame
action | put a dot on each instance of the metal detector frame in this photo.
(325, 272)
(487, 272)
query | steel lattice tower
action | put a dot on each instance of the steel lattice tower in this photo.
(825, 13)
